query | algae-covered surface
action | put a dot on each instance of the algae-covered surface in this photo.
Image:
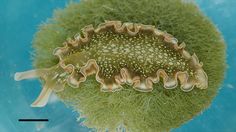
(20, 22)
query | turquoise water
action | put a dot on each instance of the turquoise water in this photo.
(18, 23)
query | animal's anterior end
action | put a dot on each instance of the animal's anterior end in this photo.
(25, 75)
(51, 78)
(42, 99)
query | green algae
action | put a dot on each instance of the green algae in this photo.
(160, 110)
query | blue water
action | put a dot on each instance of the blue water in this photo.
(18, 23)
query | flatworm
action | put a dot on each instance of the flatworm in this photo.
(129, 53)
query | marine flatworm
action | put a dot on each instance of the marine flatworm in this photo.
(129, 53)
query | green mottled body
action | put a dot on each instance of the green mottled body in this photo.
(128, 53)
(143, 55)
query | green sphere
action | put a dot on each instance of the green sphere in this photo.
(159, 110)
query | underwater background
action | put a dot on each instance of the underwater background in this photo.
(19, 21)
